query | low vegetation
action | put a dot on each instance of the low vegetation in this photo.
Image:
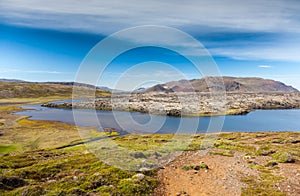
(226, 153)
(264, 185)
(195, 167)
(65, 172)
(32, 162)
(49, 158)
(36, 90)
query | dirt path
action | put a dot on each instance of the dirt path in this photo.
(222, 177)
(291, 184)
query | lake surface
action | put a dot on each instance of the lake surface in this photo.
(256, 121)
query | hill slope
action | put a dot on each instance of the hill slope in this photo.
(33, 90)
(231, 84)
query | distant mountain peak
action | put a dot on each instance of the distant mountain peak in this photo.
(12, 80)
(227, 83)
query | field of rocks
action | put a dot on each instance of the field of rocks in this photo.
(189, 104)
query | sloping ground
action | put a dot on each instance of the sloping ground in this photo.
(231, 84)
(238, 164)
(227, 175)
(74, 171)
(26, 90)
(32, 164)
(221, 177)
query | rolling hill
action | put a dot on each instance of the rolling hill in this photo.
(231, 84)
(24, 89)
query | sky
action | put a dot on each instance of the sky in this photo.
(49, 40)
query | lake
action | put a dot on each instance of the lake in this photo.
(256, 121)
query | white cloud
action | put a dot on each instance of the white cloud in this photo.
(99, 16)
(108, 16)
(286, 52)
(265, 66)
(30, 71)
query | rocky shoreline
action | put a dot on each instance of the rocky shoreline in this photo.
(188, 104)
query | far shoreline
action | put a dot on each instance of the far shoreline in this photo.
(186, 104)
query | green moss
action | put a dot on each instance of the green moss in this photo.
(230, 145)
(65, 172)
(272, 163)
(265, 184)
(203, 166)
(195, 167)
(7, 148)
(284, 157)
(187, 167)
(227, 154)
(34, 190)
(135, 186)
(73, 170)
(263, 187)
(231, 136)
(143, 142)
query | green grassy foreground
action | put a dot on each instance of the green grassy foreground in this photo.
(32, 162)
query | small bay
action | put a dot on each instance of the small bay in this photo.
(256, 121)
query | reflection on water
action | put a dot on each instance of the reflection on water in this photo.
(260, 120)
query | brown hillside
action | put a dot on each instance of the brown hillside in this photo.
(231, 84)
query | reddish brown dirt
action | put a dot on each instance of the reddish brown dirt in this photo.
(222, 177)
(291, 183)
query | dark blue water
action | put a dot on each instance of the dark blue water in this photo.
(260, 120)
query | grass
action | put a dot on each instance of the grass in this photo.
(29, 156)
(227, 154)
(7, 148)
(195, 167)
(281, 147)
(143, 142)
(46, 171)
(31, 90)
(58, 172)
(262, 185)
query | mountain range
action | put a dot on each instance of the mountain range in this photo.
(19, 88)
(229, 84)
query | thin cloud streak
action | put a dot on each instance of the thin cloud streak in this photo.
(109, 16)
(285, 53)
(265, 66)
(105, 17)
(30, 71)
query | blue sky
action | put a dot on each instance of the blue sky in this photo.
(47, 40)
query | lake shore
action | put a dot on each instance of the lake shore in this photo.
(50, 158)
(188, 104)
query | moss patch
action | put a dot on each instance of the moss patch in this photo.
(7, 148)
(70, 172)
